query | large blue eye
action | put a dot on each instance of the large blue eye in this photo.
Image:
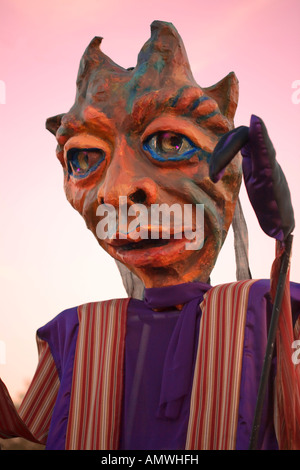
(170, 146)
(81, 162)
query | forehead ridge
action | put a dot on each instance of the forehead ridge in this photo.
(114, 113)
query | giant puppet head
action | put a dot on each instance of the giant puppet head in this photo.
(144, 136)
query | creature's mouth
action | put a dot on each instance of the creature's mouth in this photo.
(142, 252)
(141, 244)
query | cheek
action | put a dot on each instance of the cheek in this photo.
(219, 199)
(196, 170)
(84, 201)
(177, 183)
(74, 196)
(89, 209)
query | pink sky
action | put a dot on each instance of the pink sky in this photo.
(49, 261)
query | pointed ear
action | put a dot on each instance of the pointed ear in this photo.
(226, 94)
(53, 123)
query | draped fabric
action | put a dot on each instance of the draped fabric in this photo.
(178, 364)
(38, 404)
(160, 352)
(215, 351)
(216, 390)
(97, 385)
(287, 399)
(206, 343)
(34, 415)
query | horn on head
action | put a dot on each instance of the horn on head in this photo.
(165, 51)
(94, 59)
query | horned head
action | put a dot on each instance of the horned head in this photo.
(162, 63)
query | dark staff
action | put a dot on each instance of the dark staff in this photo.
(264, 181)
(284, 267)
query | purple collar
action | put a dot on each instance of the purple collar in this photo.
(179, 361)
(169, 296)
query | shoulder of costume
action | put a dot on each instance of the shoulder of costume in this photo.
(259, 290)
(62, 331)
(261, 286)
(67, 321)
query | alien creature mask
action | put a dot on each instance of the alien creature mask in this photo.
(146, 134)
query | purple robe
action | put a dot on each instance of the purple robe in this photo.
(160, 351)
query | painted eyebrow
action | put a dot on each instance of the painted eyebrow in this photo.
(68, 128)
(187, 97)
(93, 120)
(187, 101)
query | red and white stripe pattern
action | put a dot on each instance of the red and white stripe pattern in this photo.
(287, 391)
(33, 418)
(37, 406)
(216, 386)
(97, 386)
(11, 424)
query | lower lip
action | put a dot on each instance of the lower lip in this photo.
(147, 254)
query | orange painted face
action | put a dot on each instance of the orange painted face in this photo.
(144, 136)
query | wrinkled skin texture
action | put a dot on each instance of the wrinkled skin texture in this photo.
(116, 113)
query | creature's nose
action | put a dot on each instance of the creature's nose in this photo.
(139, 196)
(126, 177)
(137, 190)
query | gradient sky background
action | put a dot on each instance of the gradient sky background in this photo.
(49, 260)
